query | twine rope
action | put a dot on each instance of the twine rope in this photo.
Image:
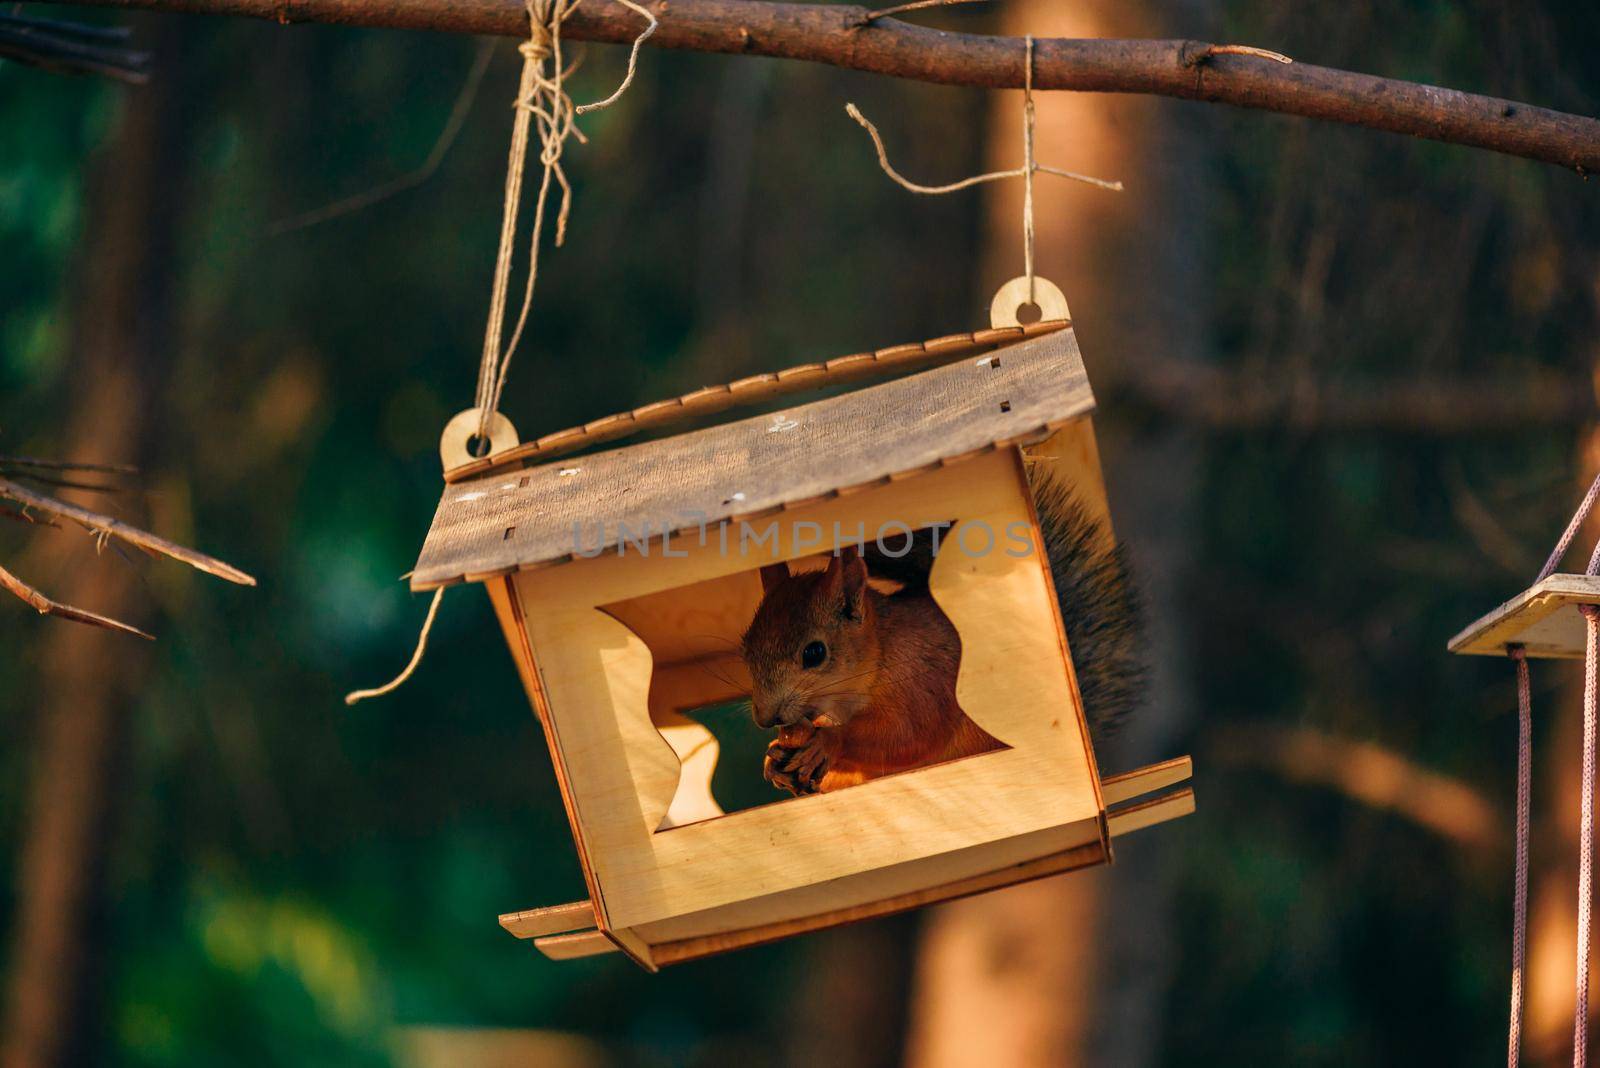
(416, 657)
(1030, 166)
(1519, 922)
(542, 101)
(1591, 735)
(1591, 666)
(1027, 166)
(1578, 519)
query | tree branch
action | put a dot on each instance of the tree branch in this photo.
(46, 607)
(1228, 400)
(71, 48)
(107, 527)
(833, 34)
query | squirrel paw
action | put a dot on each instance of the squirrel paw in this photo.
(798, 768)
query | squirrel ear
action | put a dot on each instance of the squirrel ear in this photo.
(847, 577)
(772, 575)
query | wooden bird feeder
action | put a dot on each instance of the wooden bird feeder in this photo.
(615, 646)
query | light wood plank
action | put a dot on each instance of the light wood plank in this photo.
(875, 892)
(1544, 619)
(573, 946)
(1054, 864)
(552, 919)
(1130, 784)
(1144, 814)
(1071, 456)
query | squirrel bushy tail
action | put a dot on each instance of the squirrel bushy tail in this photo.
(1101, 608)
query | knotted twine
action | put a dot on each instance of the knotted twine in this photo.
(1519, 920)
(542, 99)
(1029, 167)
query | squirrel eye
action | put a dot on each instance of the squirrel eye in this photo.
(813, 655)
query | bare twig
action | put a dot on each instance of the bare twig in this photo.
(441, 148)
(1242, 400)
(66, 465)
(915, 5)
(827, 33)
(63, 483)
(1200, 56)
(46, 607)
(71, 48)
(965, 183)
(104, 526)
(20, 515)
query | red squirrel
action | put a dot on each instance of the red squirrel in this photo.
(861, 683)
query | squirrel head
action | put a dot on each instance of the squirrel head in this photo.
(812, 649)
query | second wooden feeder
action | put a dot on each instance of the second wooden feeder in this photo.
(615, 646)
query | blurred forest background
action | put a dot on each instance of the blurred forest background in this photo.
(1347, 392)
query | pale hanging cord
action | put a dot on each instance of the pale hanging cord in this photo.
(1591, 726)
(1580, 1012)
(1578, 519)
(1519, 908)
(416, 657)
(1029, 168)
(541, 97)
(1591, 723)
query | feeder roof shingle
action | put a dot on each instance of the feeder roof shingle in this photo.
(991, 394)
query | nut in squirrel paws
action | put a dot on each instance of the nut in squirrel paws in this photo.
(797, 761)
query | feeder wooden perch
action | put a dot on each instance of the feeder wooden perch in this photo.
(616, 646)
(1543, 619)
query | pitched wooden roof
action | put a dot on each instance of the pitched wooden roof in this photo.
(506, 520)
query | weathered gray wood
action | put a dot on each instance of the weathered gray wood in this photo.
(516, 519)
(757, 389)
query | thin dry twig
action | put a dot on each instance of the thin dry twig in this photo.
(441, 148)
(71, 48)
(104, 527)
(46, 607)
(965, 183)
(66, 465)
(900, 9)
(63, 483)
(1237, 50)
(20, 515)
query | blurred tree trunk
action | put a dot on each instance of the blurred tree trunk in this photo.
(852, 997)
(88, 679)
(1075, 969)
